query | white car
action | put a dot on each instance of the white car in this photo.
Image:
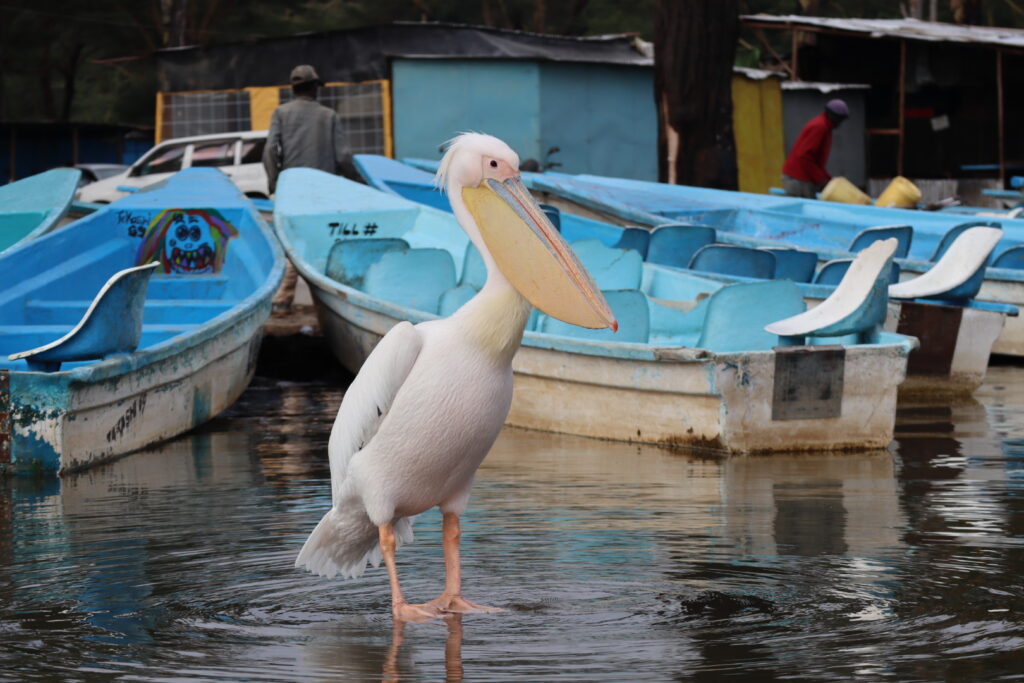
(239, 155)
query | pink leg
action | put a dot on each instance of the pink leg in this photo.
(401, 609)
(451, 599)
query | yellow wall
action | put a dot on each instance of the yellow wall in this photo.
(757, 127)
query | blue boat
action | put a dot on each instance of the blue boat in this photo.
(680, 371)
(35, 205)
(956, 332)
(132, 325)
(831, 230)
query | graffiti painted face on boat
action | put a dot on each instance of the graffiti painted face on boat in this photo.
(187, 241)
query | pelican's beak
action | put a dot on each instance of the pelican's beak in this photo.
(538, 262)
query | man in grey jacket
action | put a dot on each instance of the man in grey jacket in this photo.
(305, 133)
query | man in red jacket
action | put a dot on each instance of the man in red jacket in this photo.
(804, 174)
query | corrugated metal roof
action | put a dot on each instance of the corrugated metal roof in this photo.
(909, 29)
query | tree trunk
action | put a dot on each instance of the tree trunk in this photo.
(694, 51)
(43, 78)
(70, 73)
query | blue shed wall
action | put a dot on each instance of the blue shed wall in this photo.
(601, 117)
(434, 100)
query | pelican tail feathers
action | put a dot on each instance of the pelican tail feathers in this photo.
(345, 541)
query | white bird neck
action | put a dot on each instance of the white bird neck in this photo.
(497, 315)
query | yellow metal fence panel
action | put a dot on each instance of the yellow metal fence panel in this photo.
(364, 109)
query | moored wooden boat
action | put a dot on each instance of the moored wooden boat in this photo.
(682, 374)
(35, 205)
(219, 266)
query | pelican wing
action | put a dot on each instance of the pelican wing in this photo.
(370, 396)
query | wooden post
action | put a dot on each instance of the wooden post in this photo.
(794, 55)
(902, 106)
(1000, 116)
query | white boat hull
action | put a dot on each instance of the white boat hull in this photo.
(687, 397)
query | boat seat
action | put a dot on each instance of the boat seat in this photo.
(793, 264)
(1011, 258)
(348, 260)
(453, 299)
(157, 311)
(636, 239)
(415, 278)
(675, 245)
(111, 327)
(192, 287)
(868, 236)
(833, 272)
(674, 325)
(474, 270)
(553, 214)
(955, 232)
(729, 259)
(630, 309)
(611, 268)
(857, 306)
(737, 315)
(957, 277)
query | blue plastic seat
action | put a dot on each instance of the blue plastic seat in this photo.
(630, 310)
(453, 299)
(636, 239)
(416, 278)
(737, 314)
(1011, 258)
(611, 268)
(348, 260)
(111, 327)
(868, 236)
(793, 264)
(857, 306)
(958, 275)
(675, 245)
(553, 214)
(729, 259)
(474, 270)
(955, 232)
(833, 272)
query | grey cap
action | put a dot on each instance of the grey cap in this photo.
(304, 73)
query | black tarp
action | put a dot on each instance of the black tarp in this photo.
(362, 54)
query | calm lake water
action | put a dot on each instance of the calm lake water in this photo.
(615, 562)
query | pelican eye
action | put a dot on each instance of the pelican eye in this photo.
(494, 164)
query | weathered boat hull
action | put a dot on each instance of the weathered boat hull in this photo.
(675, 397)
(201, 331)
(63, 422)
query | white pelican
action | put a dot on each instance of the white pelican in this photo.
(430, 400)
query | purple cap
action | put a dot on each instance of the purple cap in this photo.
(838, 107)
